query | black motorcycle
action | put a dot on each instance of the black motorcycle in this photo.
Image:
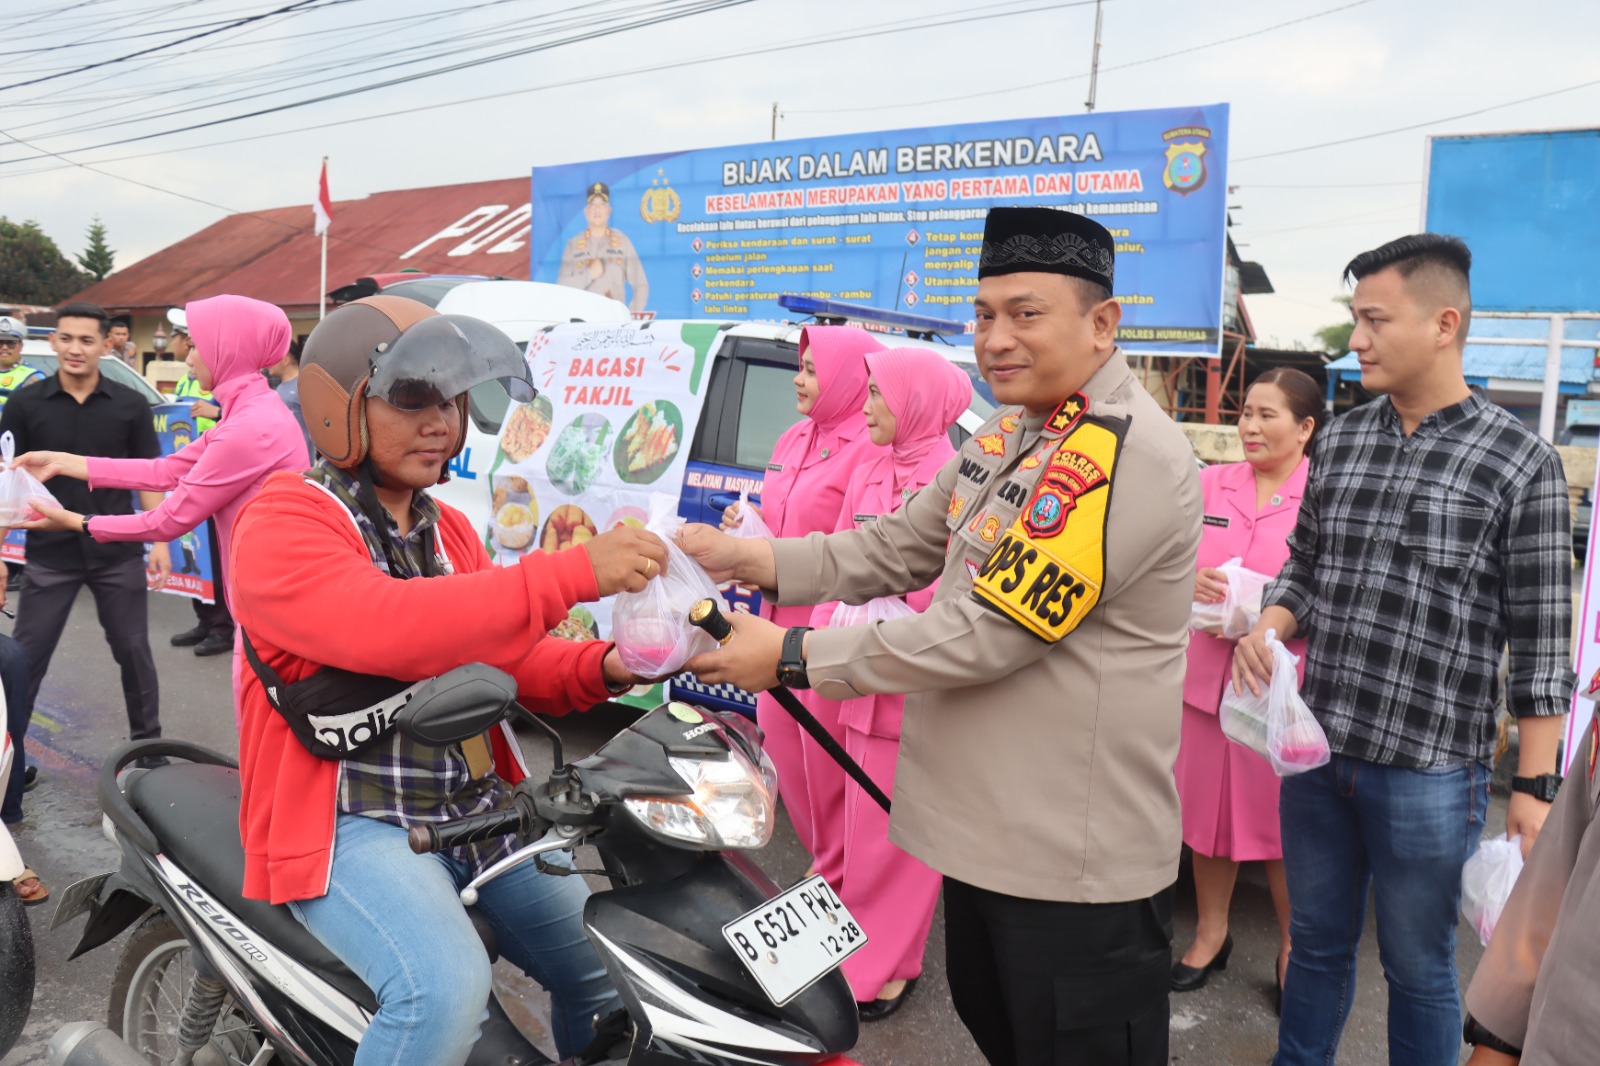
(713, 963)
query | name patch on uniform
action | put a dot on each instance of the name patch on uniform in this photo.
(776, 468)
(863, 519)
(1013, 492)
(974, 471)
(1047, 570)
(1220, 521)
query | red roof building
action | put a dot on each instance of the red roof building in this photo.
(272, 255)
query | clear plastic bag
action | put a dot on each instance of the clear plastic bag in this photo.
(751, 525)
(651, 627)
(882, 609)
(1486, 883)
(1240, 608)
(17, 487)
(1277, 725)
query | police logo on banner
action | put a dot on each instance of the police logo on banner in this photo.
(1186, 160)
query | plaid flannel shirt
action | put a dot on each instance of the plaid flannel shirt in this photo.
(399, 780)
(1414, 560)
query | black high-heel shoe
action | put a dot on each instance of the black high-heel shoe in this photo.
(1189, 978)
(879, 1009)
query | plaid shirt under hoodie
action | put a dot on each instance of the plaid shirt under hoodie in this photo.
(399, 780)
(1414, 560)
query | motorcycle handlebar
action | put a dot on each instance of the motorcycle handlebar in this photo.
(441, 836)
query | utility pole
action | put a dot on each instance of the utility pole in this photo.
(1094, 61)
(774, 120)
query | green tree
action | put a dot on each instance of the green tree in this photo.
(98, 256)
(1336, 338)
(32, 268)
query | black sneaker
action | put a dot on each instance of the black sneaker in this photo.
(214, 644)
(190, 637)
(30, 778)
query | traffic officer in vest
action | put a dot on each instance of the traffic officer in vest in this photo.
(1045, 680)
(14, 373)
(203, 409)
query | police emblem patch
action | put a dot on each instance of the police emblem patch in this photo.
(956, 505)
(1010, 423)
(1185, 171)
(660, 201)
(990, 530)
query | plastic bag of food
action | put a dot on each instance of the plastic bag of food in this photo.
(17, 487)
(1486, 883)
(1240, 608)
(751, 525)
(651, 627)
(882, 609)
(1277, 725)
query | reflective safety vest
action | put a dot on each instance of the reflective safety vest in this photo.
(14, 377)
(189, 389)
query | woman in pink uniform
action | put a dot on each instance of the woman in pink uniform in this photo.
(914, 397)
(235, 338)
(802, 493)
(1229, 793)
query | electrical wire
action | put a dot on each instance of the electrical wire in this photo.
(1085, 74)
(856, 34)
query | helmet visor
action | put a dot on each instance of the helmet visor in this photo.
(442, 357)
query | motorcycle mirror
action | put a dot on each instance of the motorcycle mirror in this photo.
(458, 705)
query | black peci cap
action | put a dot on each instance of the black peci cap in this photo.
(1023, 239)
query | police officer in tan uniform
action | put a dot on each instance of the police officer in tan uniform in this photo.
(1035, 767)
(600, 258)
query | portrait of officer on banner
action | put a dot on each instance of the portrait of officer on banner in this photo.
(601, 259)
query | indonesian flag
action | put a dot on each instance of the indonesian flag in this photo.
(322, 208)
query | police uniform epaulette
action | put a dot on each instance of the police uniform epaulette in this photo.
(615, 237)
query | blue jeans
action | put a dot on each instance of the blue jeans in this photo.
(1406, 833)
(14, 680)
(394, 918)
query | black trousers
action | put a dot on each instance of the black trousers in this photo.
(1040, 983)
(215, 616)
(122, 602)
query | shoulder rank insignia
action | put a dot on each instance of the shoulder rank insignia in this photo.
(1047, 571)
(991, 444)
(615, 237)
(1066, 416)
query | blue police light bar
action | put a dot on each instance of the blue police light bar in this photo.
(838, 312)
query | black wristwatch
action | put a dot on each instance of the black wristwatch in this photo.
(792, 660)
(1476, 1035)
(1544, 787)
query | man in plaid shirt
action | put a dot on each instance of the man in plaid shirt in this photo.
(1434, 530)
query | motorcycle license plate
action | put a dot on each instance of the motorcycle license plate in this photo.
(794, 938)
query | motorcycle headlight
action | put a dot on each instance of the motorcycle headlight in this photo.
(733, 804)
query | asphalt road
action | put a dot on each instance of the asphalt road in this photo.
(79, 720)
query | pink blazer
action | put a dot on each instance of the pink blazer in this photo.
(1233, 528)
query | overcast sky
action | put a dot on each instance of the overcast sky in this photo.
(1346, 70)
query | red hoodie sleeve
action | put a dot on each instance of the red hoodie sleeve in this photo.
(304, 583)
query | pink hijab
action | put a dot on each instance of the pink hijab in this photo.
(238, 338)
(812, 461)
(926, 393)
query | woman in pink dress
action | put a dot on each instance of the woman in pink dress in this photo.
(1229, 793)
(914, 397)
(803, 493)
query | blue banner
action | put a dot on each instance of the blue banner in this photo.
(191, 553)
(895, 219)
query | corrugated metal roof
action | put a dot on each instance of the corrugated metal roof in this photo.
(1513, 362)
(476, 228)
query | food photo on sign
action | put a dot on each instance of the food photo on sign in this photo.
(617, 406)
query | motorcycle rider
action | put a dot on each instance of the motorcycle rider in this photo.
(315, 561)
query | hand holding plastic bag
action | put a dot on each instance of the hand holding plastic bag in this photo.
(1486, 883)
(882, 609)
(1277, 725)
(17, 487)
(651, 627)
(751, 525)
(1240, 608)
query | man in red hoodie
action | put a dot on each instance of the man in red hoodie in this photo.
(353, 565)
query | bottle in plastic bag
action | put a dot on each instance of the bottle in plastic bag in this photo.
(751, 525)
(17, 487)
(1486, 883)
(1240, 608)
(651, 627)
(1277, 725)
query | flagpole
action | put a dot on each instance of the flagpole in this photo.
(324, 208)
(322, 298)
